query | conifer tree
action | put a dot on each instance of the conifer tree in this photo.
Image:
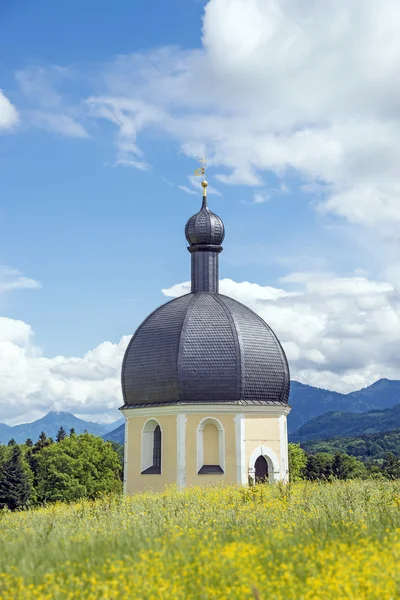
(15, 489)
(61, 434)
(391, 466)
(12, 442)
(29, 443)
(72, 432)
(42, 442)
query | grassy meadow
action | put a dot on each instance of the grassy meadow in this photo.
(303, 541)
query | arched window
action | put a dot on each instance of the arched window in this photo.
(151, 448)
(210, 447)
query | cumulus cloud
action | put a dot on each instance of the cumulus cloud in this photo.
(307, 90)
(33, 384)
(8, 113)
(339, 333)
(310, 89)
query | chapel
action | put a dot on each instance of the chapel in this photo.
(205, 384)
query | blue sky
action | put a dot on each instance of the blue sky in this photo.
(112, 104)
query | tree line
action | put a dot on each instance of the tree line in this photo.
(367, 447)
(77, 466)
(326, 466)
(72, 467)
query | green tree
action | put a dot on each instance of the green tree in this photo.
(297, 462)
(12, 442)
(15, 488)
(391, 466)
(29, 443)
(347, 467)
(61, 434)
(78, 466)
(319, 466)
(42, 442)
(72, 431)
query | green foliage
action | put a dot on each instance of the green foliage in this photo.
(15, 487)
(391, 466)
(297, 462)
(327, 467)
(365, 447)
(76, 467)
(42, 442)
(61, 434)
(331, 424)
(119, 449)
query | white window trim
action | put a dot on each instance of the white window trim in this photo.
(147, 445)
(221, 441)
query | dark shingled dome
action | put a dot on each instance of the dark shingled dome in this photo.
(204, 348)
(205, 227)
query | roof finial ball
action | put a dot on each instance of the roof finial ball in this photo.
(205, 383)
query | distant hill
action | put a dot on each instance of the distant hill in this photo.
(333, 424)
(309, 402)
(117, 435)
(50, 424)
(371, 446)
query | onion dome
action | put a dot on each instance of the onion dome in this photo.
(204, 348)
(205, 227)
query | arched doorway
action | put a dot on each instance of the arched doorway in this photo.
(261, 470)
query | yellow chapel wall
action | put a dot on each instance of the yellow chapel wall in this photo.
(135, 482)
(261, 430)
(228, 423)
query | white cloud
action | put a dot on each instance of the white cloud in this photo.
(309, 89)
(338, 333)
(8, 113)
(57, 123)
(11, 279)
(260, 198)
(33, 384)
(187, 190)
(48, 109)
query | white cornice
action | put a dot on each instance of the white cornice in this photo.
(176, 409)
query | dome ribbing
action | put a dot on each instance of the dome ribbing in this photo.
(204, 348)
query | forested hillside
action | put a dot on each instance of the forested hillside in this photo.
(364, 447)
(333, 424)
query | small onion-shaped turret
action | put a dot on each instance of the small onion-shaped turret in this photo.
(205, 227)
(205, 233)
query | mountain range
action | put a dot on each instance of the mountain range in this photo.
(308, 403)
(50, 424)
(344, 424)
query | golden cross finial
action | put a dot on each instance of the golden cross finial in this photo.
(202, 171)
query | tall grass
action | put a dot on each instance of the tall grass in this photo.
(305, 541)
